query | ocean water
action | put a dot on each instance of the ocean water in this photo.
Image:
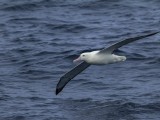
(39, 40)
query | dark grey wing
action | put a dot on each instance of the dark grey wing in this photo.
(124, 42)
(70, 75)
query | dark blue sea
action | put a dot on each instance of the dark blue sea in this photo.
(39, 39)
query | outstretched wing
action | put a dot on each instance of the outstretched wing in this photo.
(82, 66)
(70, 75)
(124, 42)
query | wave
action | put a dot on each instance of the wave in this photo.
(69, 28)
(21, 7)
(119, 109)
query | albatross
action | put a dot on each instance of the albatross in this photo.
(99, 57)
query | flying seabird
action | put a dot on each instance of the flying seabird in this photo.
(99, 57)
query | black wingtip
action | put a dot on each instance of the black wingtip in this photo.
(58, 91)
(154, 33)
(150, 34)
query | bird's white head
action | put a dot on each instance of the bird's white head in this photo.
(82, 57)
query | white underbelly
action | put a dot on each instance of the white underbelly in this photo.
(107, 59)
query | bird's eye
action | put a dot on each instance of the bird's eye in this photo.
(83, 55)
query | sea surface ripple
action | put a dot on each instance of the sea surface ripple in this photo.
(40, 38)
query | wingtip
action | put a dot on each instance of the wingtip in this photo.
(155, 32)
(58, 91)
